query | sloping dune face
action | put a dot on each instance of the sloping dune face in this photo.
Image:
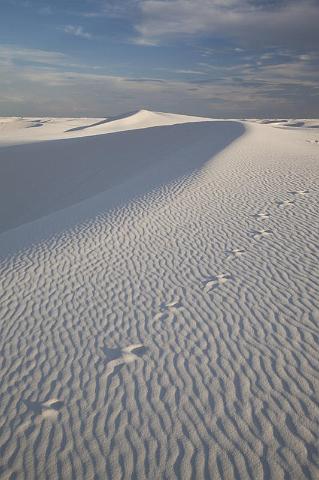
(14, 131)
(40, 178)
(159, 315)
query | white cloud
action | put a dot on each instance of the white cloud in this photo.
(287, 23)
(77, 31)
(11, 53)
(45, 10)
(48, 86)
(114, 9)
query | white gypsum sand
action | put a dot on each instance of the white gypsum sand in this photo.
(159, 299)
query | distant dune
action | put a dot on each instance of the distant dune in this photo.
(29, 130)
(42, 177)
(159, 285)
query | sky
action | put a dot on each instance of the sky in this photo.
(216, 58)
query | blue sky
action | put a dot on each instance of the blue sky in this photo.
(222, 58)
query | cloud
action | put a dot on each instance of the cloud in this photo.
(124, 9)
(77, 31)
(39, 82)
(45, 10)
(46, 91)
(11, 53)
(67, 93)
(181, 71)
(279, 23)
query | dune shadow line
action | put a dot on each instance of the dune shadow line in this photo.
(41, 178)
(102, 122)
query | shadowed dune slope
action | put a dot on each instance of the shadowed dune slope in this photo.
(40, 178)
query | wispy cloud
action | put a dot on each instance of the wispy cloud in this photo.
(50, 86)
(19, 57)
(45, 10)
(225, 57)
(182, 71)
(276, 23)
(77, 31)
(114, 9)
(11, 53)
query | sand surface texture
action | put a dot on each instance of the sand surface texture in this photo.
(159, 291)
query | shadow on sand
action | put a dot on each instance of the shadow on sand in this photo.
(41, 178)
(102, 122)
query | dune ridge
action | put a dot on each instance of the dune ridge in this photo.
(52, 175)
(176, 335)
(16, 130)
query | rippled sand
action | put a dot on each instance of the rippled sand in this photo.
(160, 319)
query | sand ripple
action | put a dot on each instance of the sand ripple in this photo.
(132, 348)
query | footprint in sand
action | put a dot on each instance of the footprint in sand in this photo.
(119, 356)
(301, 193)
(262, 215)
(285, 203)
(216, 281)
(168, 309)
(234, 253)
(171, 306)
(39, 407)
(51, 408)
(259, 234)
(41, 411)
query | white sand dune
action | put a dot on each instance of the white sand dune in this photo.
(42, 177)
(14, 131)
(290, 123)
(159, 289)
